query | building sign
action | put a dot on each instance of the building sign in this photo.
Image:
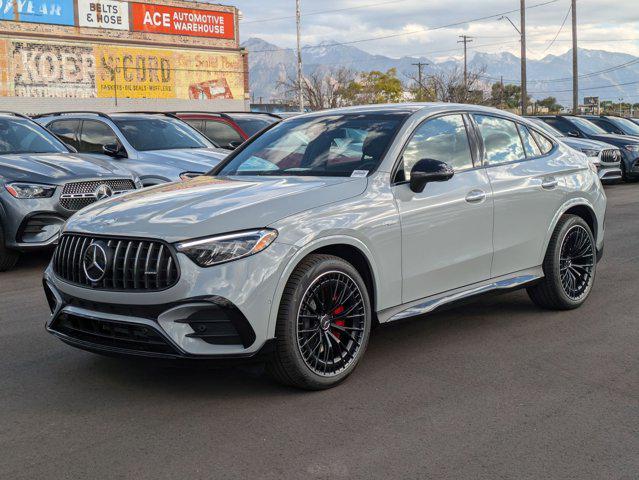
(182, 21)
(55, 12)
(40, 69)
(103, 14)
(134, 72)
(82, 70)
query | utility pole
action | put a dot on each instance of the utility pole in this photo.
(501, 92)
(419, 66)
(524, 87)
(465, 39)
(575, 66)
(298, 20)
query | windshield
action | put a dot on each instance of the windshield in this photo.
(628, 127)
(162, 133)
(546, 128)
(253, 124)
(331, 145)
(587, 126)
(18, 135)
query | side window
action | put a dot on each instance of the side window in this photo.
(221, 133)
(563, 127)
(95, 135)
(530, 146)
(442, 138)
(67, 131)
(197, 124)
(502, 142)
(606, 125)
(545, 144)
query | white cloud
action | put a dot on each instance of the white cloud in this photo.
(603, 24)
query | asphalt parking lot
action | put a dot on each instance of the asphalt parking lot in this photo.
(493, 389)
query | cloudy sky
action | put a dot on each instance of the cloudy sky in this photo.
(603, 24)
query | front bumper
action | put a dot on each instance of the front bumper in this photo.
(221, 312)
(31, 223)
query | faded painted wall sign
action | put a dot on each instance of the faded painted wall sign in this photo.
(52, 70)
(103, 14)
(55, 12)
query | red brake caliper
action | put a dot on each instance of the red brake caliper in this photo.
(338, 311)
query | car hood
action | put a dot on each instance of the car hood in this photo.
(211, 205)
(187, 159)
(579, 143)
(56, 168)
(617, 140)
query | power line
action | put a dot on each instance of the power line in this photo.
(413, 32)
(559, 31)
(320, 12)
(612, 85)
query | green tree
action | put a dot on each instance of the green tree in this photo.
(506, 96)
(375, 87)
(551, 104)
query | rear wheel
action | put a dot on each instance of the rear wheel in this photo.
(569, 266)
(323, 324)
(8, 258)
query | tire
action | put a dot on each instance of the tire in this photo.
(569, 266)
(320, 340)
(624, 174)
(8, 258)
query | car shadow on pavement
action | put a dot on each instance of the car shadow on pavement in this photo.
(389, 344)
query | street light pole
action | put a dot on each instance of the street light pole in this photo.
(298, 20)
(524, 82)
(575, 65)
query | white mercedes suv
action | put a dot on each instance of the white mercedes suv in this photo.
(324, 226)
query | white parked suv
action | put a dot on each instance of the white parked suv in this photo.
(323, 226)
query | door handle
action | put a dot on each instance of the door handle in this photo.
(475, 196)
(549, 183)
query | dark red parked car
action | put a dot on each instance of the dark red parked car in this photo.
(229, 130)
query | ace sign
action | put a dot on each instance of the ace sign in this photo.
(103, 14)
(182, 21)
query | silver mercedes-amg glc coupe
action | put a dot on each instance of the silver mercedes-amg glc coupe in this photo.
(324, 226)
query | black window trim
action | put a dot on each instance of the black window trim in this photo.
(555, 145)
(473, 145)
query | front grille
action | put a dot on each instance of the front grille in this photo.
(611, 155)
(78, 195)
(128, 264)
(108, 333)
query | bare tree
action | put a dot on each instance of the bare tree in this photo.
(449, 86)
(322, 88)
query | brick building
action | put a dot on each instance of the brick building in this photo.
(116, 55)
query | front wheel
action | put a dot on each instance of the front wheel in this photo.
(323, 324)
(569, 266)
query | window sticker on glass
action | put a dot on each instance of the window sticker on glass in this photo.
(359, 173)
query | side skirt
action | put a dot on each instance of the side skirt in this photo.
(428, 304)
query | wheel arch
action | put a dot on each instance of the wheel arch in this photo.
(349, 249)
(579, 207)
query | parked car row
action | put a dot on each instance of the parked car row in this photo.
(619, 133)
(53, 165)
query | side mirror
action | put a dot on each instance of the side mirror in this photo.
(234, 144)
(574, 133)
(114, 150)
(428, 170)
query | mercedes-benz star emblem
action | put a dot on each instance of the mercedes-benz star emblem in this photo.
(95, 262)
(103, 191)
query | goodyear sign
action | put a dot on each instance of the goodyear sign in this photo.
(55, 12)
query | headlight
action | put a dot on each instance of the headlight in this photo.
(632, 148)
(30, 190)
(224, 248)
(590, 152)
(189, 175)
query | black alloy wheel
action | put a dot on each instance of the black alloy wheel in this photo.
(577, 262)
